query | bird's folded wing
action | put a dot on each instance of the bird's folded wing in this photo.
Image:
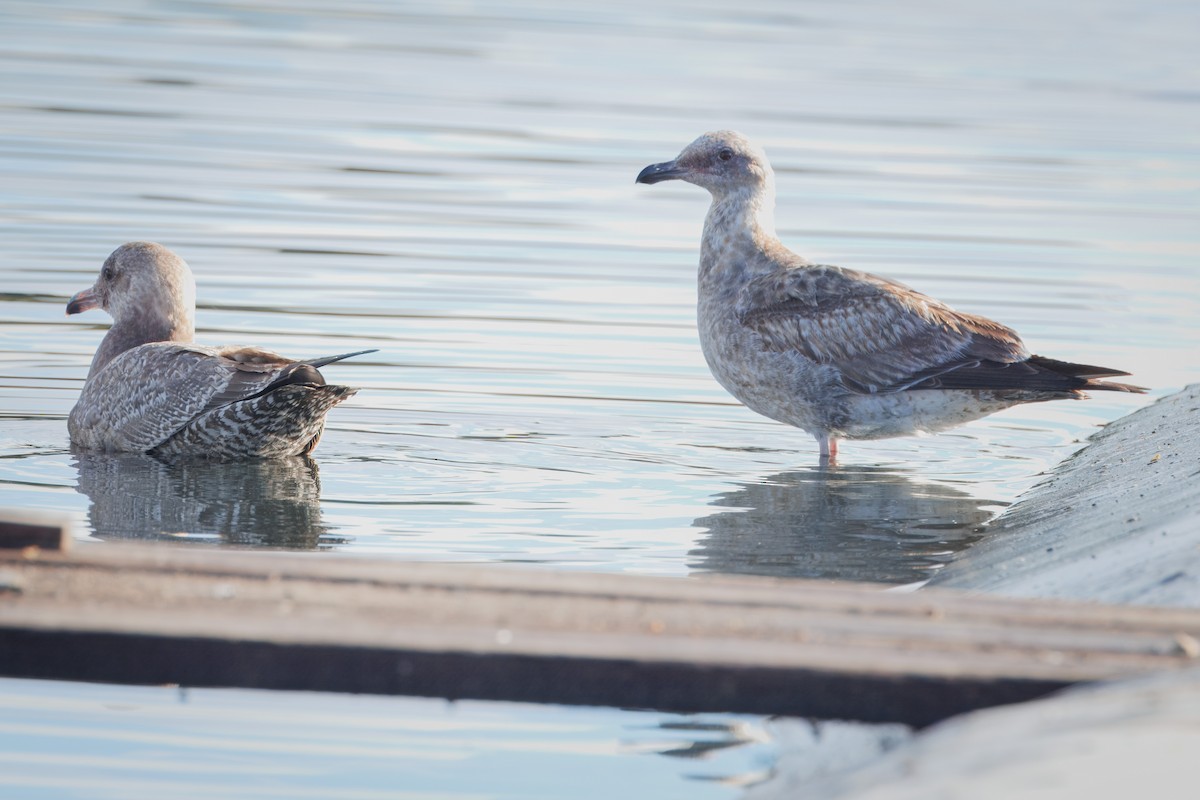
(879, 335)
(251, 370)
(148, 393)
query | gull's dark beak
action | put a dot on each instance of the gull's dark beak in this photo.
(666, 171)
(83, 301)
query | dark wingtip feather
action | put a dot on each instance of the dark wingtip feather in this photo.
(307, 373)
(1035, 374)
(321, 362)
(1075, 370)
(1088, 374)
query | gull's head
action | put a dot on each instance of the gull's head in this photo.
(723, 162)
(141, 281)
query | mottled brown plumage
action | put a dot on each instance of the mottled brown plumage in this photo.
(837, 352)
(169, 396)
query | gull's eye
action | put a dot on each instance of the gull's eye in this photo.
(108, 273)
(725, 154)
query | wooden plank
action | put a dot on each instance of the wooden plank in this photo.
(21, 529)
(232, 618)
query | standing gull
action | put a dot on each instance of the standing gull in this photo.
(840, 353)
(150, 390)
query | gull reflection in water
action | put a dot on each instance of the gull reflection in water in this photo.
(263, 503)
(855, 524)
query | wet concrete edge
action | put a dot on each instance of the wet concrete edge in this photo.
(1118, 522)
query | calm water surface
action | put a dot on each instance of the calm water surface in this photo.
(147, 743)
(453, 185)
(455, 188)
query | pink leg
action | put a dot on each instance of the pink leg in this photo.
(829, 447)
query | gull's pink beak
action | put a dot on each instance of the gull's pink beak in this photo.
(82, 301)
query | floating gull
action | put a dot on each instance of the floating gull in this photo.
(840, 353)
(150, 390)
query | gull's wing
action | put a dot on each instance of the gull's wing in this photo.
(882, 336)
(255, 371)
(149, 392)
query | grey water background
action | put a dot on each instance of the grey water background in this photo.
(452, 184)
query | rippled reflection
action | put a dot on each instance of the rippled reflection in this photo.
(266, 503)
(703, 736)
(856, 523)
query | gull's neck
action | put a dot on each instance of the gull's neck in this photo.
(128, 334)
(738, 231)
